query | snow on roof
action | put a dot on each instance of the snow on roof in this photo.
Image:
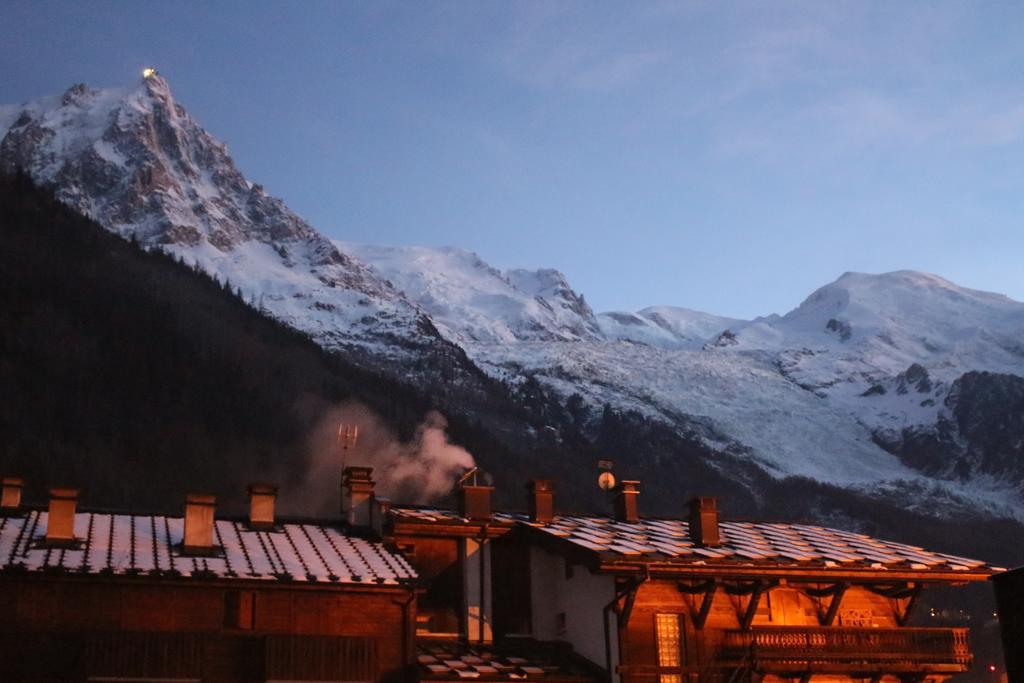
(433, 515)
(452, 660)
(127, 544)
(668, 540)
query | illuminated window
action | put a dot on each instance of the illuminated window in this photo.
(667, 631)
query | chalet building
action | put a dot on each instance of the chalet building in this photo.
(398, 592)
(1010, 605)
(669, 600)
(452, 553)
(97, 596)
(645, 600)
(459, 557)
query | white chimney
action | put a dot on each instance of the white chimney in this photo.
(357, 496)
(261, 505)
(10, 498)
(199, 509)
(60, 519)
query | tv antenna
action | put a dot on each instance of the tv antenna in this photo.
(348, 435)
(476, 475)
(472, 472)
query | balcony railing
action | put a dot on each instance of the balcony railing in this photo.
(809, 647)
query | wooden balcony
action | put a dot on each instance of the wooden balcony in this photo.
(809, 648)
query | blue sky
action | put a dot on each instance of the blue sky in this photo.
(724, 156)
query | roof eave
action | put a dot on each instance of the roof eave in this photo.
(802, 573)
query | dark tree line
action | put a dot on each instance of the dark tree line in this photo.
(135, 377)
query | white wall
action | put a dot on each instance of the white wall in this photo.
(581, 598)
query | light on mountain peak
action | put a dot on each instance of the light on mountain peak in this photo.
(148, 72)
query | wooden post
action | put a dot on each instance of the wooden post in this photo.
(701, 617)
(903, 616)
(829, 617)
(755, 598)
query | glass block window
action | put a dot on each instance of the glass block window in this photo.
(667, 631)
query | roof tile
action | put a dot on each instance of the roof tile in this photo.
(131, 544)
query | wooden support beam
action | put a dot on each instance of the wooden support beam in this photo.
(701, 617)
(742, 588)
(755, 598)
(903, 616)
(627, 607)
(694, 588)
(829, 617)
(893, 591)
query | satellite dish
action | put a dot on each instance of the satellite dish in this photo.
(606, 481)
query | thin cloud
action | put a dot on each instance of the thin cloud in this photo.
(548, 47)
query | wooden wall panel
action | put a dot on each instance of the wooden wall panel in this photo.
(437, 562)
(273, 611)
(76, 612)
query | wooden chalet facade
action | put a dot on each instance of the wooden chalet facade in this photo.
(94, 596)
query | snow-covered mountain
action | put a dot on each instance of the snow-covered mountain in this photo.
(134, 160)
(470, 301)
(667, 327)
(876, 382)
(888, 347)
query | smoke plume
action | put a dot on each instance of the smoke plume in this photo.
(419, 470)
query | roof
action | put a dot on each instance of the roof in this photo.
(743, 543)
(130, 545)
(750, 543)
(450, 660)
(1010, 575)
(422, 514)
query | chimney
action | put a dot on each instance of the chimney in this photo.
(357, 496)
(475, 502)
(10, 498)
(704, 522)
(199, 509)
(626, 494)
(541, 501)
(60, 521)
(381, 516)
(261, 506)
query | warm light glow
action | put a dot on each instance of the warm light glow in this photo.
(148, 72)
(666, 630)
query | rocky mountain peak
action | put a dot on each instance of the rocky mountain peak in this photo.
(136, 161)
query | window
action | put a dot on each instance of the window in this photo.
(667, 631)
